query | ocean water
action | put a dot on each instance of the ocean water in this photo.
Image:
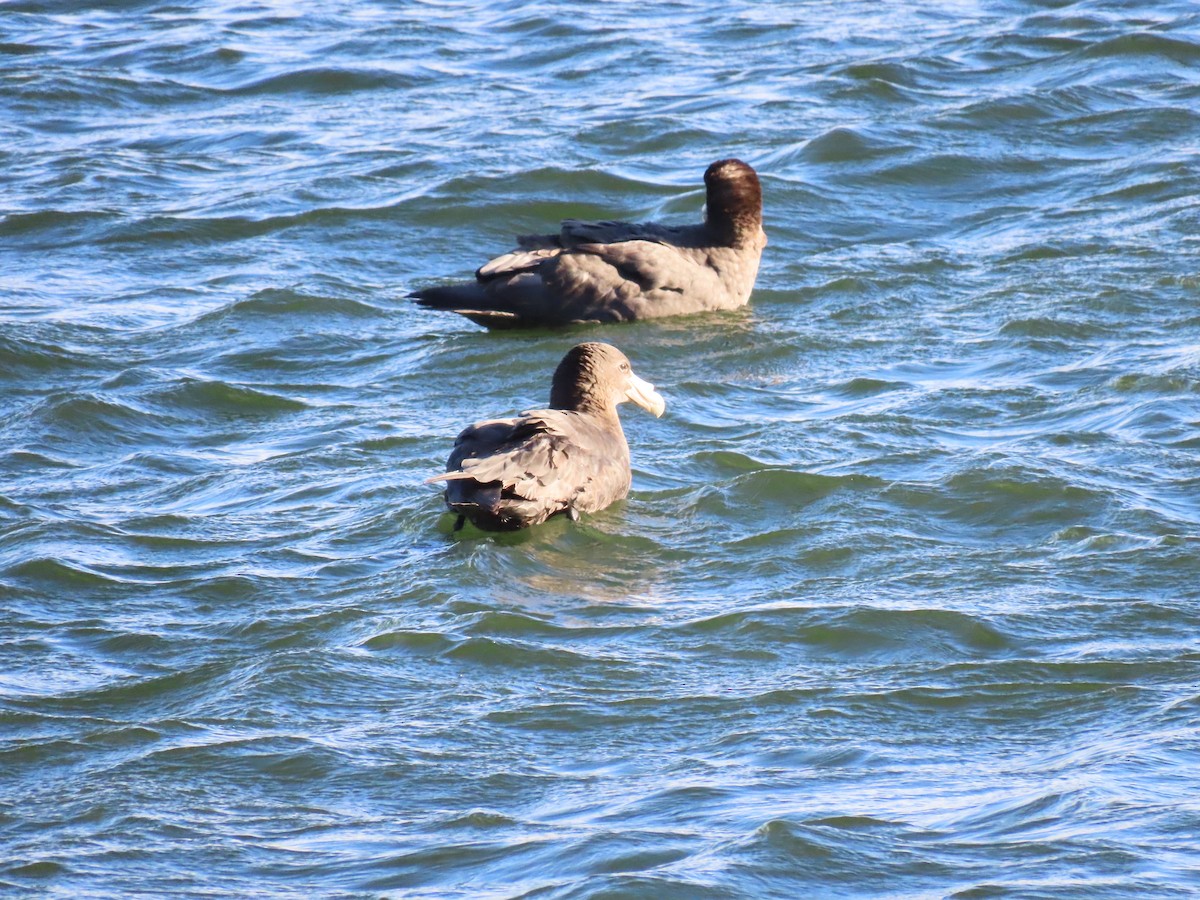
(904, 601)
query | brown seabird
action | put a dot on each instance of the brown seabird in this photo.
(619, 271)
(505, 474)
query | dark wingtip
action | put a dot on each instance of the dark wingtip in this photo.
(437, 297)
(417, 297)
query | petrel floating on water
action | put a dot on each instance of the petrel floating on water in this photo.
(505, 474)
(619, 271)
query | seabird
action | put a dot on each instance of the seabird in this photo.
(505, 474)
(620, 271)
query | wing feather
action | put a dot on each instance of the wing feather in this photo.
(633, 276)
(546, 457)
(515, 262)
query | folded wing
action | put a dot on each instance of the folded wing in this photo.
(530, 467)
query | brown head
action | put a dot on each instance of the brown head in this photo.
(595, 377)
(734, 201)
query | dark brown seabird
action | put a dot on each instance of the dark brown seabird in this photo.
(505, 474)
(619, 271)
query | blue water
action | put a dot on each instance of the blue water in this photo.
(903, 602)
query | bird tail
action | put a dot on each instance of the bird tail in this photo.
(468, 498)
(467, 299)
(454, 297)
